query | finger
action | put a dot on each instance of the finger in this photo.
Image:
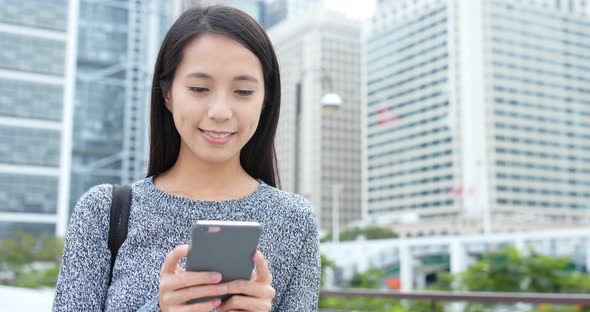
(262, 270)
(171, 263)
(245, 303)
(242, 287)
(250, 288)
(182, 296)
(185, 279)
(201, 306)
(253, 276)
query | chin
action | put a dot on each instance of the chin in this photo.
(215, 158)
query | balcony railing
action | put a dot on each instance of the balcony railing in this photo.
(582, 300)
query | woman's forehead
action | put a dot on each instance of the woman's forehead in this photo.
(213, 55)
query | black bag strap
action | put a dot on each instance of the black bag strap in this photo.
(120, 204)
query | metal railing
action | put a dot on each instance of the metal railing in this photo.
(480, 297)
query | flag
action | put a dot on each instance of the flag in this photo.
(455, 191)
(385, 116)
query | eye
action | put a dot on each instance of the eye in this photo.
(198, 89)
(244, 92)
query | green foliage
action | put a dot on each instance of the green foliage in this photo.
(504, 271)
(326, 263)
(372, 232)
(29, 261)
(361, 304)
(510, 271)
(372, 279)
(444, 282)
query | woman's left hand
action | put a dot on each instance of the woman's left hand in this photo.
(253, 295)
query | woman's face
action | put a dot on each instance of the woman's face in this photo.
(216, 98)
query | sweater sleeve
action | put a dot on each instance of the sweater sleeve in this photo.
(303, 290)
(83, 279)
(151, 306)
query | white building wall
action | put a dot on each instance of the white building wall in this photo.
(36, 82)
(63, 205)
(517, 86)
(474, 117)
(321, 52)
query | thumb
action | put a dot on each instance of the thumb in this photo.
(262, 270)
(171, 263)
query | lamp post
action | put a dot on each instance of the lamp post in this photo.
(330, 103)
(336, 188)
(298, 95)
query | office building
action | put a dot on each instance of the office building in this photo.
(254, 8)
(478, 110)
(75, 79)
(37, 76)
(319, 152)
(118, 44)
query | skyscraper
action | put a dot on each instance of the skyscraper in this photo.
(37, 74)
(478, 110)
(118, 43)
(254, 8)
(318, 152)
(75, 79)
(276, 11)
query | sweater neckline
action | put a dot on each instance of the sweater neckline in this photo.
(160, 193)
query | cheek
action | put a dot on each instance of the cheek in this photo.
(254, 118)
(182, 121)
(185, 112)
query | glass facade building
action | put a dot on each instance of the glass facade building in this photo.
(74, 82)
(409, 141)
(35, 86)
(539, 106)
(118, 41)
(254, 8)
(480, 116)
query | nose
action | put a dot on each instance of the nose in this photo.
(219, 108)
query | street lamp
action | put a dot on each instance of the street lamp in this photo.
(336, 188)
(330, 103)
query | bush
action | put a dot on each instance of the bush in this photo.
(28, 261)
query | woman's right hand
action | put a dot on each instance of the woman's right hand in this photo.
(178, 286)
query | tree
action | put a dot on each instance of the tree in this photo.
(371, 279)
(504, 271)
(29, 261)
(510, 271)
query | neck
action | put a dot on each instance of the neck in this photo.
(194, 178)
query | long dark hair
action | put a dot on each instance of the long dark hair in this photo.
(258, 156)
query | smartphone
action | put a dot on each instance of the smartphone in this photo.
(226, 247)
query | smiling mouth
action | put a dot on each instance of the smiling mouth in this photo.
(217, 134)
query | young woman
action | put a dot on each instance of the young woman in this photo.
(214, 111)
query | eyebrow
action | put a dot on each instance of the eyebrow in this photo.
(207, 76)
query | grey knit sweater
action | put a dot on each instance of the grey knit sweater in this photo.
(160, 221)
